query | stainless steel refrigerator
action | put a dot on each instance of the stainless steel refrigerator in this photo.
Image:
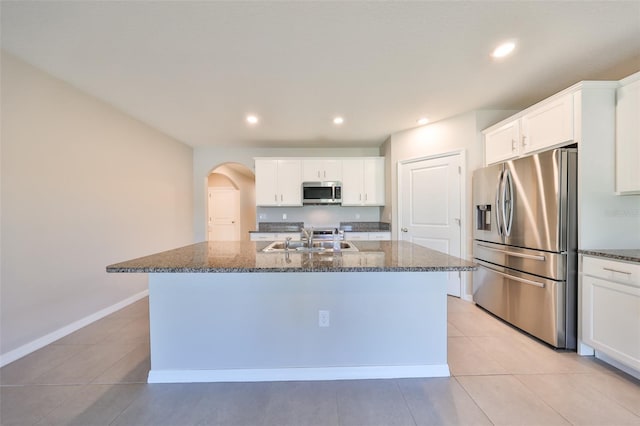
(525, 242)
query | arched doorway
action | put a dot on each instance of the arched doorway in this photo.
(231, 208)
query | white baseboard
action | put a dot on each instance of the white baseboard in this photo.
(468, 297)
(294, 374)
(617, 364)
(43, 341)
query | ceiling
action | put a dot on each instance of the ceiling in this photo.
(195, 69)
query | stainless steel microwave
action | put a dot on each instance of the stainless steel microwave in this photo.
(321, 193)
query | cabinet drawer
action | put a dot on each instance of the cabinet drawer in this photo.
(380, 236)
(356, 236)
(612, 270)
(262, 236)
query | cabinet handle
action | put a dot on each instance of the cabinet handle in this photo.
(365, 197)
(325, 173)
(359, 197)
(404, 229)
(275, 197)
(513, 145)
(280, 197)
(318, 173)
(524, 140)
(615, 270)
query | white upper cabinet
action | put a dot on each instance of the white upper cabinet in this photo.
(318, 170)
(363, 181)
(278, 182)
(549, 124)
(502, 143)
(628, 136)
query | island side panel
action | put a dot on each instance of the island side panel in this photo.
(265, 326)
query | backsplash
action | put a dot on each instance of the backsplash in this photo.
(330, 216)
(344, 226)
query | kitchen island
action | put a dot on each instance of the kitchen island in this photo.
(228, 311)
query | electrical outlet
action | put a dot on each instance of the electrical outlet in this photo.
(357, 215)
(324, 318)
(284, 216)
(262, 216)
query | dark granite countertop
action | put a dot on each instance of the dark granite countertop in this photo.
(270, 227)
(627, 255)
(365, 226)
(233, 257)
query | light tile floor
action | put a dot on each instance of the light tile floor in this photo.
(96, 376)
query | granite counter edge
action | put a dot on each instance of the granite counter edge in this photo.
(292, 269)
(633, 256)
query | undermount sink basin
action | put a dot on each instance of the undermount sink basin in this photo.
(318, 246)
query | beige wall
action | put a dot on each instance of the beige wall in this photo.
(246, 184)
(83, 186)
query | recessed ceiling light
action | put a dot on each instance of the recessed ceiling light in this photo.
(503, 50)
(338, 120)
(252, 119)
(422, 121)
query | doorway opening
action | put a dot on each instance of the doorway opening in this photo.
(231, 202)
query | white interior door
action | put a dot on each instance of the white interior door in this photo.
(430, 209)
(224, 214)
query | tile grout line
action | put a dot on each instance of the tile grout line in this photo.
(413, 417)
(472, 399)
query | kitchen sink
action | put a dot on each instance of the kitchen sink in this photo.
(317, 246)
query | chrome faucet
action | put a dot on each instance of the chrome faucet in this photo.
(307, 234)
(287, 241)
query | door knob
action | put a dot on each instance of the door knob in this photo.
(404, 229)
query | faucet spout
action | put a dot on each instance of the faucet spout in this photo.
(307, 234)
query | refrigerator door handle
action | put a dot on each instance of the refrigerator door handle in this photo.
(510, 253)
(507, 202)
(511, 277)
(498, 205)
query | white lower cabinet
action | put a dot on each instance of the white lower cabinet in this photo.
(610, 309)
(356, 260)
(274, 236)
(367, 236)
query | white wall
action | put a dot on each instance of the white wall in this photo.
(83, 186)
(205, 159)
(459, 133)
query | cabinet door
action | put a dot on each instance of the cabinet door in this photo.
(312, 170)
(267, 193)
(374, 182)
(352, 182)
(332, 170)
(611, 319)
(549, 125)
(502, 144)
(315, 170)
(289, 183)
(628, 139)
